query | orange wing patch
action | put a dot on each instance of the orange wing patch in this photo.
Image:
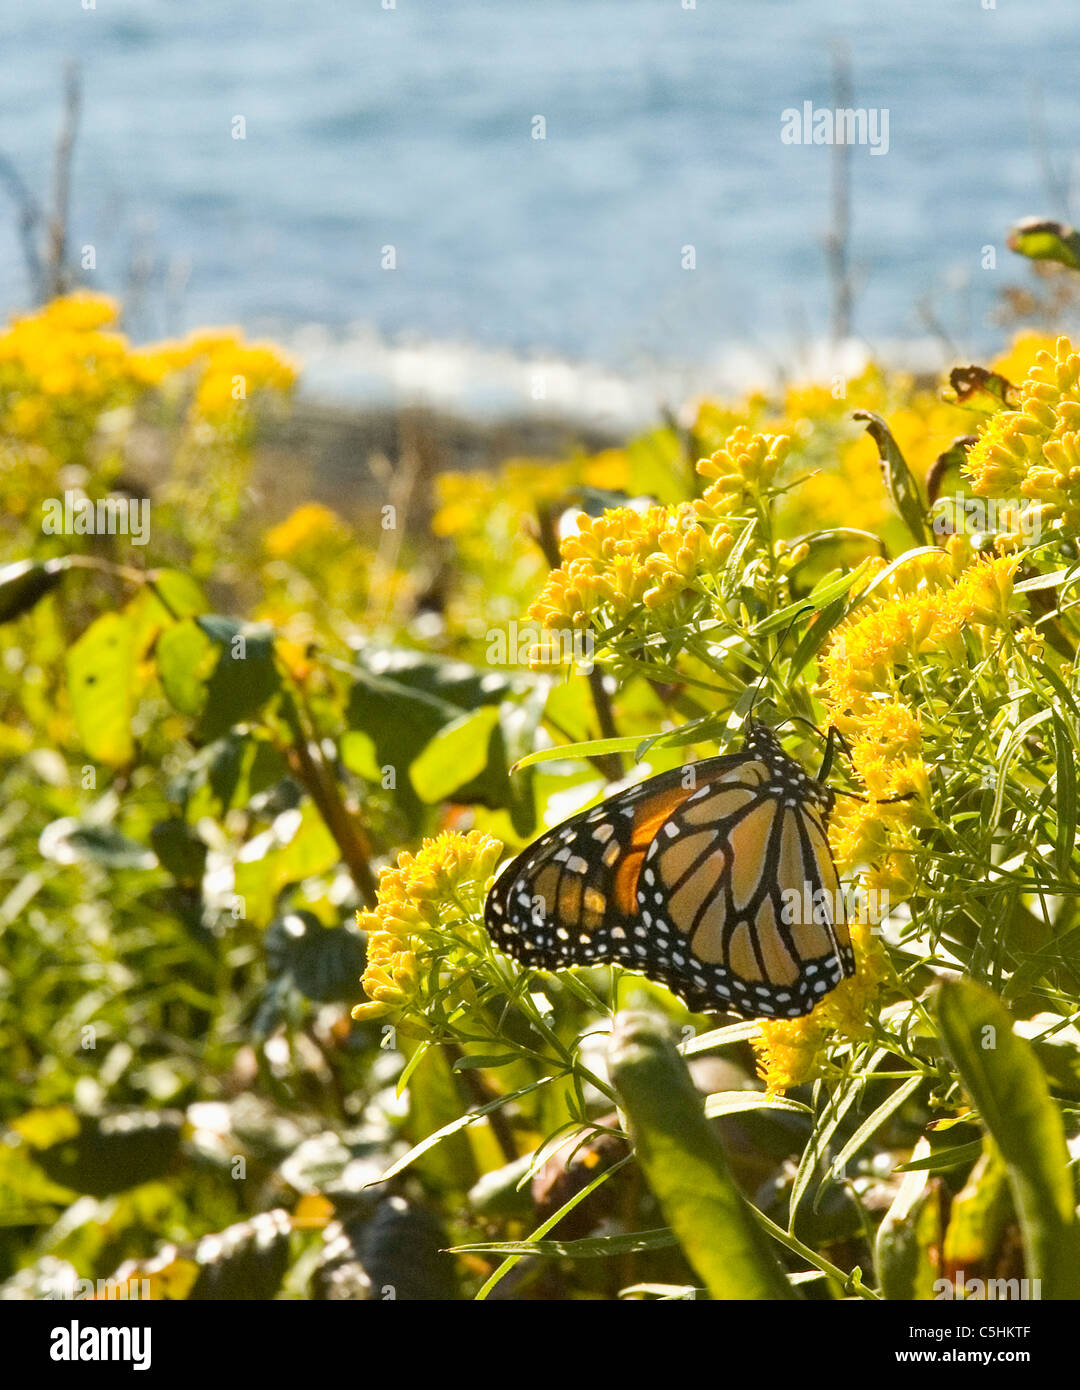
(649, 816)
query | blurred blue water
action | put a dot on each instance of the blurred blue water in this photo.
(369, 126)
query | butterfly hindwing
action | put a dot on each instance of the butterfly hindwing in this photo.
(714, 879)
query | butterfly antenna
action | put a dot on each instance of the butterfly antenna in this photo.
(759, 683)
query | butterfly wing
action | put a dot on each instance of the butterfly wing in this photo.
(690, 878)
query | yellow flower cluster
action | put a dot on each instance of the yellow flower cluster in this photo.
(522, 485)
(67, 359)
(745, 465)
(625, 559)
(1034, 451)
(792, 1051)
(226, 370)
(61, 351)
(868, 654)
(310, 527)
(425, 902)
(921, 615)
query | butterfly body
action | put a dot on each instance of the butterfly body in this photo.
(714, 879)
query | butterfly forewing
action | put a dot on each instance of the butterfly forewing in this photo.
(715, 880)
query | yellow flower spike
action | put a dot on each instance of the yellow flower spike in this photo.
(417, 916)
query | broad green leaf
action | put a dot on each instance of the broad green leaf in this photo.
(685, 1166)
(25, 582)
(979, 1213)
(400, 1252)
(322, 963)
(1001, 1073)
(1041, 239)
(457, 755)
(245, 1261)
(297, 846)
(217, 670)
(101, 677)
(70, 841)
(115, 1151)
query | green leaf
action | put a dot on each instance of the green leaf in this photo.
(1001, 1073)
(179, 850)
(738, 1102)
(323, 963)
(873, 1122)
(400, 1253)
(217, 670)
(457, 754)
(1043, 240)
(818, 598)
(899, 481)
(590, 748)
(116, 1151)
(941, 1160)
(454, 1126)
(1065, 797)
(979, 1213)
(245, 1261)
(25, 582)
(434, 1103)
(297, 846)
(685, 1166)
(101, 676)
(909, 1236)
(71, 841)
(589, 1248)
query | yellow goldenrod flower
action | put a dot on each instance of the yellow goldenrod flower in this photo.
(626, 560)
(428, 903)
(793, 1051)
(311, 526)
(1034, 450)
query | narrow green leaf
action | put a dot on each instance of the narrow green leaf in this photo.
(589, 1248)
(1065, 798)
(942, 1159)
(470, 1117)
(909, 1236)
(1001, 1073)
(737, 1102)
(899, 480)
(588, 749)
(685, 1166)
(873, 1122)
(817, 599)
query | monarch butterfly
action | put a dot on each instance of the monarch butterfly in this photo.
(686, 879)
